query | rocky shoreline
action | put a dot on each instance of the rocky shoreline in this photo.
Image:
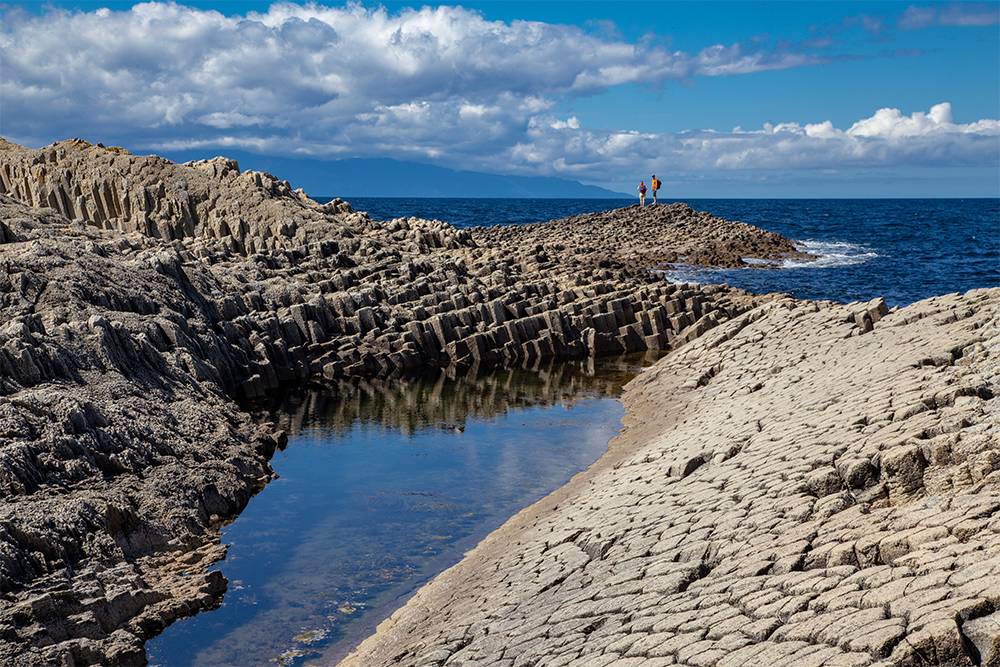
(144, 305)
(797, 483)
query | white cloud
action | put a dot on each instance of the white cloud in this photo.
(163, 72)
(224, 119)
(891, 123)
(571, 123)
(722, 60)
(441, 84)
(888, 138)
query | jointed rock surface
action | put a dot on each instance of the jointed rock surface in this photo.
(806, 484)
(644, 238)
(142, 302)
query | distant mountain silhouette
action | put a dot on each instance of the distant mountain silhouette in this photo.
(383, 177)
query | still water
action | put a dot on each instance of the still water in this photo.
(382, 486)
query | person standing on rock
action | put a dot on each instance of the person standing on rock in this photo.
(642, 193)
(655, 183)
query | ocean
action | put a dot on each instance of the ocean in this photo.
(902, 249)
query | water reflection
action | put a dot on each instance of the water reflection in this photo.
(447, 398)
(384, 484)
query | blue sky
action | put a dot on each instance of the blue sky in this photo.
(724, 98)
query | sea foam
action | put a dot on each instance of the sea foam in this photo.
(829, 254)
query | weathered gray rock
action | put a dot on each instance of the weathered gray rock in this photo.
(788, 490)
(640, 238)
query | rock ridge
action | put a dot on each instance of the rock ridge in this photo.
(646, 237)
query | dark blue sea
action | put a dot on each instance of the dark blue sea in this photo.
(902, 249)
(383, 486)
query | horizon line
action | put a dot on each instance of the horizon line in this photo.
(673, 201)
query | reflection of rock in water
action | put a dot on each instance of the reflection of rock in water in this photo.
(446, 398)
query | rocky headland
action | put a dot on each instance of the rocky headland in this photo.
(642, 238)
(146, 306)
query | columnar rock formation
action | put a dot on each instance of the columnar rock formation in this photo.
(807, 484)
(324, 289)
(799, 483)
(645, 237)
(142, 300)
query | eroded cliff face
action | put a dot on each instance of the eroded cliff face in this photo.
(806, 484)
(142, 301)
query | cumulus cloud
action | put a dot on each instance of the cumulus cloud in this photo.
(888, 138)
(441, 84)
(310, 74)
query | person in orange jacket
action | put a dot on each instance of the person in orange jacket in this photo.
(655, 183)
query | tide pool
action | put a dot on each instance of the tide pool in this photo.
(384, 484)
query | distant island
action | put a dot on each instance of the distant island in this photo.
(383, 177)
